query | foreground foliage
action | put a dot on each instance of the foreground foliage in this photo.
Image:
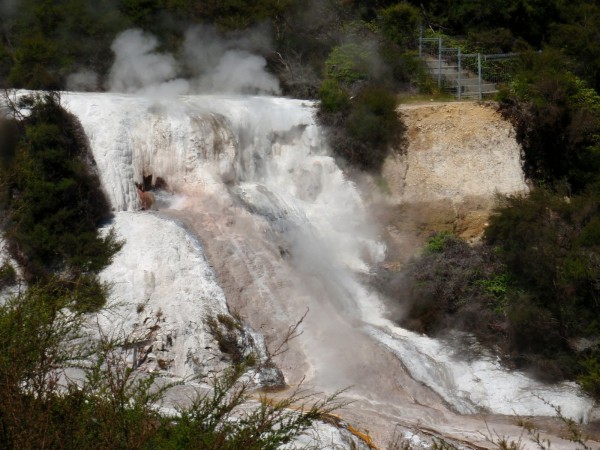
(64, 388)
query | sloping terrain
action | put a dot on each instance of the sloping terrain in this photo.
(459, 157)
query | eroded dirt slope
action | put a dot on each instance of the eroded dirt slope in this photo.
(459, 157)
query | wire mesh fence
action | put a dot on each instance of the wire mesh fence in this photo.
(465, 75)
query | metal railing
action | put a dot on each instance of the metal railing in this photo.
(466, 75)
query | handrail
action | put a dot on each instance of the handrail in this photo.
(451, 59)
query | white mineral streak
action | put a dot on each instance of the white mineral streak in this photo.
(285, 231)
(163, 289)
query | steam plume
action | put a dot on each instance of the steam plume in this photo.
(137, 65)
(84, 80)
(229, 65)
(211, 63)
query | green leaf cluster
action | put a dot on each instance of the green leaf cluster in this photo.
(334, 98)
(400, 24)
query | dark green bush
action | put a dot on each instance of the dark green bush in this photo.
(10, 131)
(35, 64)
(366, 131)
(455, 285)
(557, 119)
(498, 40)
(54, 203)
(400, 24)
(349, 63)
(333, 96)
(578, 38)
(436, 243)
(8, 275)
(373, 118)
(590, 375)
(552, 247)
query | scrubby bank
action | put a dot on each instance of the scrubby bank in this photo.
(52, 201)
(550, 331)
(529, 291)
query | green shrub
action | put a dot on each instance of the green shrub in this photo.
(334, 97)
(557, 119)
(364, 133)
(400, 24)
(590, 376)
(8, 275)
(5, 63)
(239, 14)
(449, 286)
(10, 132)
(373, 118)
(551, 246)
(54, 203)
(497, 40)
(349, 63)
(435, 244)
(34, 61)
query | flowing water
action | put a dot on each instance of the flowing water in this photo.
(287, 235)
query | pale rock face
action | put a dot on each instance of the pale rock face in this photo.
(459, 157)
(455, 151)
(133, 137)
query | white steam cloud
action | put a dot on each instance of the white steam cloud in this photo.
(209, 63)
(239, 72)
(229, 65)
(85, 80)
(138, 66)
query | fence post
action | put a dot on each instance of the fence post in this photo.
(439, 62)
(479, 74)
(458, 80)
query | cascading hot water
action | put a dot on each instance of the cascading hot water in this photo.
(257, 213)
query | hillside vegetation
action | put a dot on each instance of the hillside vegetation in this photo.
(530, 290)
(52, 202)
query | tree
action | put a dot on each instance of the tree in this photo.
(54, 202)
(579, 38)
(400, 24)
